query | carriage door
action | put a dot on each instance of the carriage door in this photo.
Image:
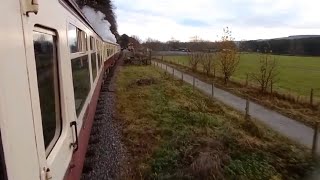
(49, 125)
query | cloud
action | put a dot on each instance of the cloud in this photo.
(192, 22)
(248, 19)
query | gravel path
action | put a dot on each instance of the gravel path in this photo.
(288, 127)
(106, 153)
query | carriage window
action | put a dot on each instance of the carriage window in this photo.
(48, 85)
(81, 81)
(3, 171)
(72, 38)
(99, 59)
(85, 46)
(92, 43)
(94, 65)
(77, 39)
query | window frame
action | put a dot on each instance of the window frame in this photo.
(82, 46)
(78, 114)
(93, 51)
(57, 91)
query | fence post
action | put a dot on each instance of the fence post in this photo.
(247, 77)
(311, 97)
(194, 82)
(150, 56)
(212, 89)
(247, 116)
(181, 76)
(165, 72)
(315, 139)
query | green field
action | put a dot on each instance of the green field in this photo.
(296, 74)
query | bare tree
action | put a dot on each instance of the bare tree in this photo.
(153, 44)
(194, 60)
(228, 55)
(208, 62)
(137, 38)
(267, 73)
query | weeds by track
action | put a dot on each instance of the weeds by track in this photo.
(172, 132)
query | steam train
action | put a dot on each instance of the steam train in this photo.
(51, 69)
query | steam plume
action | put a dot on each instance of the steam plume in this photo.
(100, 25)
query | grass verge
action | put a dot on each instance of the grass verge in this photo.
(172, 132)
(285, 104)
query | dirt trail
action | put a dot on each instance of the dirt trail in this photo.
(288, 127)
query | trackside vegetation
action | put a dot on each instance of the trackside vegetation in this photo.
(173, 132)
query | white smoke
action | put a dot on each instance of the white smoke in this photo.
(100, 25)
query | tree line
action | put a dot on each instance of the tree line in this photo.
(309, 46)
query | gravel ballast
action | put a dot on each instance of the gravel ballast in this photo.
(106, 153)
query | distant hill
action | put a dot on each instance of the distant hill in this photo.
(291, 37)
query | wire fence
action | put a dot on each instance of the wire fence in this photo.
(314, 146)
(304, 94)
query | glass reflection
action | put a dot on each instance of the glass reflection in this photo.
(47, 76)
(81, 81)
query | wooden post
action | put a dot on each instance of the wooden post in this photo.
(150, 56)
(311, 97)
(165, 72)
(194, 82)
(181, 76)
(212, 89)
(315, 139)
(247, 116)
(247, 78)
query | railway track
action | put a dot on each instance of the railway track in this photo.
(105, 151)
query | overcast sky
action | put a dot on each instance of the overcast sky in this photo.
(248, 19)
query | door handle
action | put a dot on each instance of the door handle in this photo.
(75, 145)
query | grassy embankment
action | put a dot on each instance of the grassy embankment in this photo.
(297, 75)
(172, 132)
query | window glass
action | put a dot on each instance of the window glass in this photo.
(77, 39)
(94, 65)
(92, 43)
(102, 59)
(99, 60)
(85, 46)
(3, 171)
(73, 39)
(48, 85)
(81, 81)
